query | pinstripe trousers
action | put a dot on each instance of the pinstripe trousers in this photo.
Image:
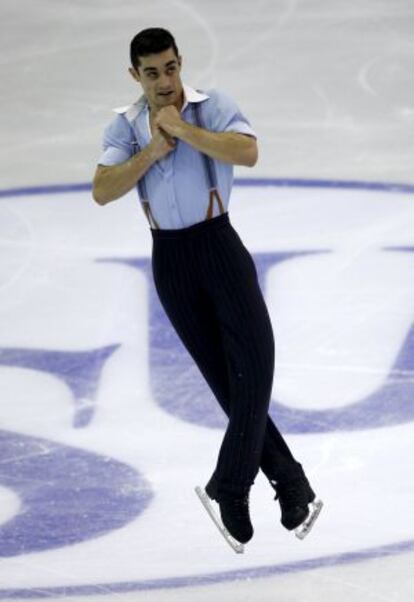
(207, 283)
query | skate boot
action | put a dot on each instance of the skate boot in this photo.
(235, 515)
(235, 524)
(298, 504)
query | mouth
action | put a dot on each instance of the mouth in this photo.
(165, 94)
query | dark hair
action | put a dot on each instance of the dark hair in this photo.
(151, 41)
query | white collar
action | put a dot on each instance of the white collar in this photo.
(132, 111)
(192, 95)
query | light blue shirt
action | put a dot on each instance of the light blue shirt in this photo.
(177, 186)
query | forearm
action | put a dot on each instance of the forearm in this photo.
(112, 182)
(230, 147)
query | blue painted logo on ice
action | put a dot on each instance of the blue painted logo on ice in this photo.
(334, 268)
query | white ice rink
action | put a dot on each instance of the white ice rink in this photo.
(106, 425)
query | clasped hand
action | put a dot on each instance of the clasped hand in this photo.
(168, 119)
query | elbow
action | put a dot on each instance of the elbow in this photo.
(251, 158)
(97, 196)
(98, 188)
(251, 154)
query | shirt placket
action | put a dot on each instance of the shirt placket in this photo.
(165, 169)
(170, 188)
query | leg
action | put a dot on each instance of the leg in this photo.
(248, 344)
(194, 318)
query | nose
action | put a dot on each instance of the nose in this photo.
(163, 82)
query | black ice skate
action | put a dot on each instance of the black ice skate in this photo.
(234, 524)
(298, 504)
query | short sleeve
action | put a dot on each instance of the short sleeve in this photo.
(117, 142)
(225, 115)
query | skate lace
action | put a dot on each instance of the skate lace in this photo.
(291, 494)
(241, 505)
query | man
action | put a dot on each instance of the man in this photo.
(178, 146)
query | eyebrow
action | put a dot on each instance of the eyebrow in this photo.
(169, 64)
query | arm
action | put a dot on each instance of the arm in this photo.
(113, 181)
(230, 147)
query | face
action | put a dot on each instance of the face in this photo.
(159, 76)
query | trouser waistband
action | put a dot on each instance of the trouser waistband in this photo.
(196, 229)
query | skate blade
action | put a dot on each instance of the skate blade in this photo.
(303, 530)
(206, 501)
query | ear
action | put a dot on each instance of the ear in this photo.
(180, 61)
(134, 74)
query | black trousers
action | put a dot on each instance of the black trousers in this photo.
(207, 283)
